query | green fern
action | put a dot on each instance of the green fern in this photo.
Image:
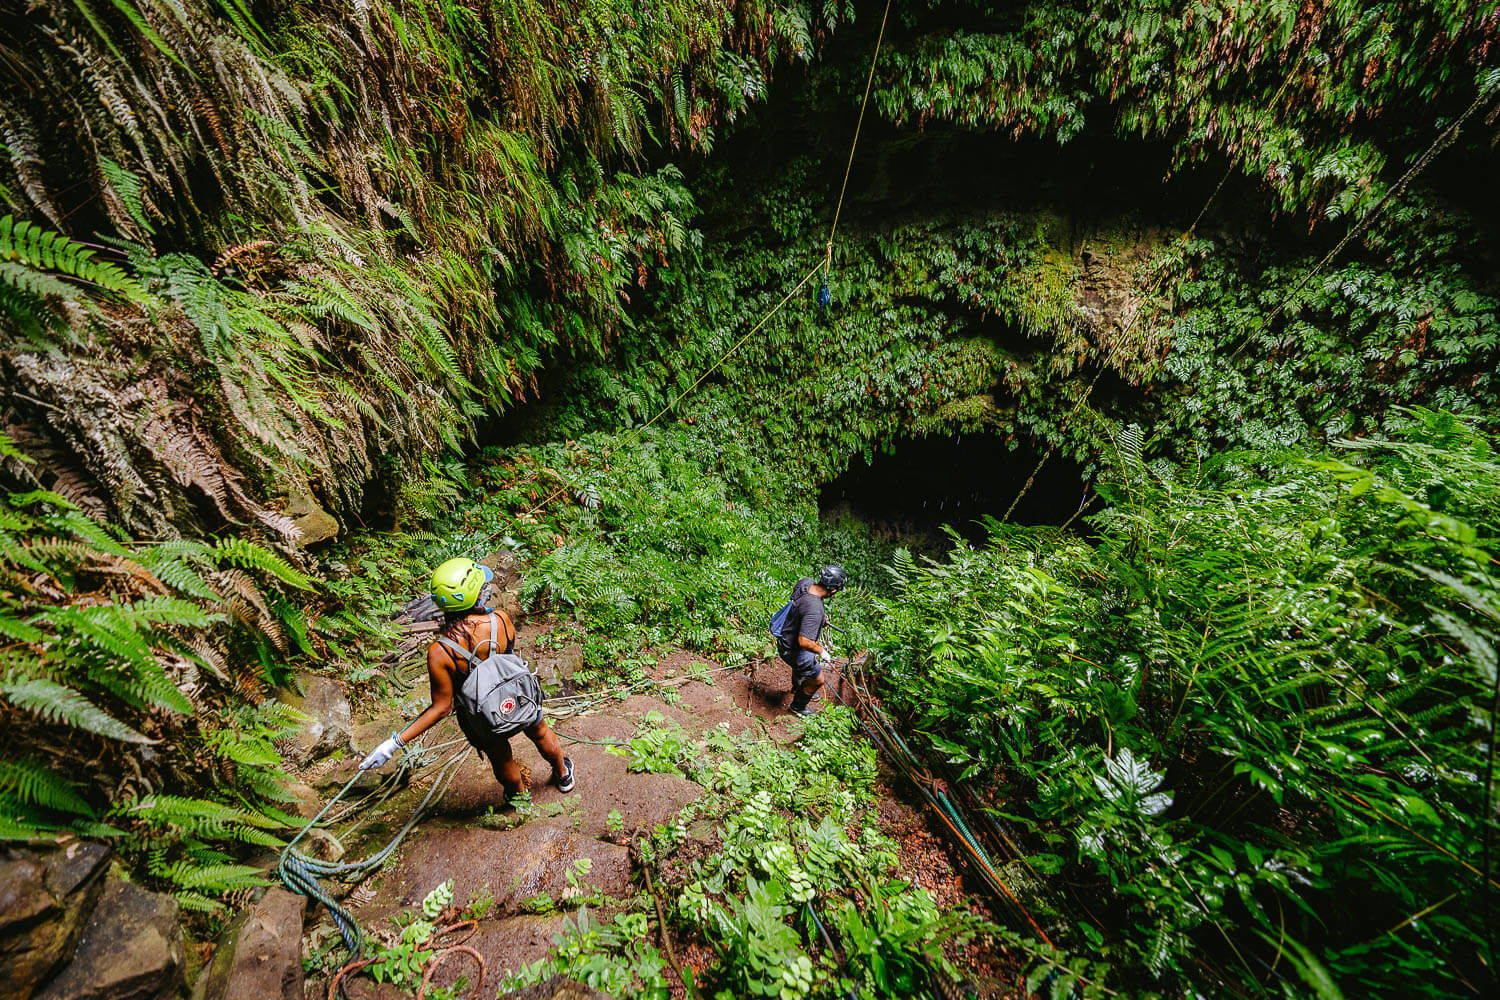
(53, 702)
(198, 817)
(213, 878)
(248, 555)
(47, 251)
(32, 783)
(126, 183)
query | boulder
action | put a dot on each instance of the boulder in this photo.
(131, 949)
(329, 726)
(315, 523)
(557, 667)
(45, 899)
(259, 955)
(306, 800)
(507, 602)
(506, 565)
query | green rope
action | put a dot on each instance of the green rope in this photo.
(302, 874)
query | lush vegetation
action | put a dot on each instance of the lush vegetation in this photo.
(798, 847)
(131, 675)
(260, 259)
(357, 228)
(1253, 721)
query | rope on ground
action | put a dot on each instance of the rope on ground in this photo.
(302, 874)
(883, 734)
(435, 960)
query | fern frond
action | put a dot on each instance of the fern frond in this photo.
(248, 555)
(34, 282)
(13, 826)
(55, 703)
(106, 627)
(14, 628)
(26, 159)
(48, 251)
(214, 878)
(126, 185)
(198, 903)
(194, 816)
(33, 783)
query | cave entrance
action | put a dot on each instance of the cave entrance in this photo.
(920, 484)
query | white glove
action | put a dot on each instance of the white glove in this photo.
(824, 654)
(382, 753)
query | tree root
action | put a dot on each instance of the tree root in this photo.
(338, 977)
(437, 959)
(661, 923)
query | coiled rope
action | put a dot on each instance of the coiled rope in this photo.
(302, 874)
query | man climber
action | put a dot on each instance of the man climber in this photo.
(801, 641)
(477, 631)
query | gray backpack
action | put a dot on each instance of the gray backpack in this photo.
(498, 696)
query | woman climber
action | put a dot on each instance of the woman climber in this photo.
(472, 667)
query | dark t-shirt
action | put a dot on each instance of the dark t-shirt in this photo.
(806, 617)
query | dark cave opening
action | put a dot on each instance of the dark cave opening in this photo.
(917, 485)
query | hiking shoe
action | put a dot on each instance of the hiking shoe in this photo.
(564, 781)
(806, 707)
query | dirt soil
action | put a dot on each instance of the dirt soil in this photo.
(466, 836)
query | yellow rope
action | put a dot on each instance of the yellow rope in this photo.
(736, 346)
(848, 167)
(823, 267)
(1445, 138)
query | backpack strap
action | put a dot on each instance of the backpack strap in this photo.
(455, 650)
(494, 640)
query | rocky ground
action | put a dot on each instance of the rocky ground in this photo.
(492, 855)
(70, 922)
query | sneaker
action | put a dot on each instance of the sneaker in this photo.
(564, 782)
(804, 706)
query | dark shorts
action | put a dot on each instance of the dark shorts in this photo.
(806, 665)
(498, 747)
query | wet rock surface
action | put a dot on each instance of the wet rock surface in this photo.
(131, 949)
(330, 724)
(514, 866)
(259, 956)
(523, 864)
(46, 898)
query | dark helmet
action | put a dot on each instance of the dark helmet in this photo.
(832, 578)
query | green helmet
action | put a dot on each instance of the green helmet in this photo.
(456, 583)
